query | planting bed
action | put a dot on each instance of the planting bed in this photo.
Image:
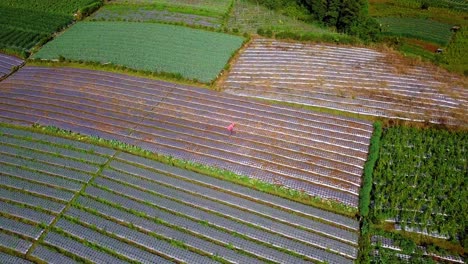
(136, 209)
(136, 13)
(357, 80)
(7, 63)
(26, 23)
(320, 154)
(184, 52)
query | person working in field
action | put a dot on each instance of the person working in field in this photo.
(230, 128)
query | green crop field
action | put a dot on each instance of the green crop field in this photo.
(424, 29)
(206, 7)
(153, 13)
(420, 180)
(26, 23)
(194, 54)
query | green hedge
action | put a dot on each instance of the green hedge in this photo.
(364, 195)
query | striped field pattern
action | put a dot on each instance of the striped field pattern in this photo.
(356, 80)
(68, 201)
(320, 154)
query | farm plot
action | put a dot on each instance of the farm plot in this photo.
(419, 182)
(207, 7)
(319, 154)
(140, 12)
(7, 63)
(26, 23)
(424, 29)
(140, 210)
(137, 13)
(356, 80)
(38, 177)
(190, 53)
(389, 250)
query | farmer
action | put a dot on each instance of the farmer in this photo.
(230, 128)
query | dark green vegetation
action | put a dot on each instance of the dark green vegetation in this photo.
(418, 28)
(25, 24)
(64, 199)
(420, 186)
(346, 16)
(192, 54)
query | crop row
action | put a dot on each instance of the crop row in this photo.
(7, 63)
(388, 243)
(202, 223)
(331, 176)
(321, 75)
(124, 160)
(210, 213)
(201, 195)
(135, 211)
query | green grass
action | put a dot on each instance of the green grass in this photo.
(194, 54)
(418, 28)
(205, 7)
(423, 170)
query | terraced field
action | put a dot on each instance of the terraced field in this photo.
(320, 154)
(7, 63)
(64, 200)
(356, 80)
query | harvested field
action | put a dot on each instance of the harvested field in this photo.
(138, 210)
(7, 63)
(320, 154)
(357, 80)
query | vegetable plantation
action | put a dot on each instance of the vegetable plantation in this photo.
(315, 153)
(420, 182)
(190, 53)
(26, 23)
(424, 29)
(7, 64)
(71, 201)
(215, 8)
(138, 13)
(349, 79)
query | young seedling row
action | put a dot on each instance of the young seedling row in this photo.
(355, 80)
(317, 153)
(135, 210)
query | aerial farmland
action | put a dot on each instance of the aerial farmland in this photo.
(233, 131)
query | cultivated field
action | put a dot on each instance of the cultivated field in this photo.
(210, 7)
(320, 154)
(7, 63)
(190, 53)
(138, 13)
(389, 250)
(356, 80)
(25, 23)
(418, 28)
(65, 200)
(419, 182)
